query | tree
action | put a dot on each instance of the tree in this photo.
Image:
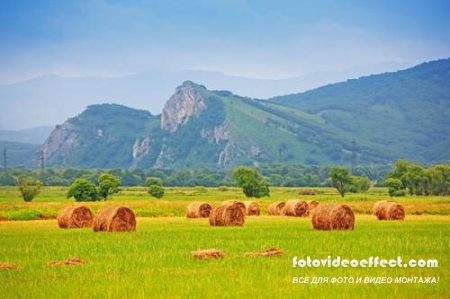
(156, 191)
(155, 187)
(29, 188)
(395, 187)
(440, 179)
(108, 185)
(340, 178)
(359, 184)
(83, 190)
(251, 181)
(153, 181)
(415, 180)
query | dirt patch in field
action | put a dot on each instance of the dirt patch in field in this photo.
(69, 262)
(208, 254)
(267, 252)
(8, 266)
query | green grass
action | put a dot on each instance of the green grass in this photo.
(156, 262)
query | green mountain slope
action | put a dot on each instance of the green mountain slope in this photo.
(406, 113)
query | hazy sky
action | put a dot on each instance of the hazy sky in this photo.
(253, 38)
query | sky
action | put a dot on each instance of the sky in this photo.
(254, 38)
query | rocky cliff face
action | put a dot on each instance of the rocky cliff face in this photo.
(185, 103)
(60, 142)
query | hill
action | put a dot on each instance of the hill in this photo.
(406, 113)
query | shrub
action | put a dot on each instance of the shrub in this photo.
(156, 191)
(29, 188)
(83, 190)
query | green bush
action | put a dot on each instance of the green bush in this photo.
(83, 190)
(156, 191)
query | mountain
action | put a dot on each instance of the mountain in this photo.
(373, 120)
(197, 128)
(51, 99)
(406, 114)
(31, 136)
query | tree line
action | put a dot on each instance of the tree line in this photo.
(414, 179)
(276, 175)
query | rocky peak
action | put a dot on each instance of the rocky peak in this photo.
(184, 103)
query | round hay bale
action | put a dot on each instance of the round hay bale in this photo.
(312, 205)
(389, 210)
(296, 208)
(115, 219)
(198, 210)
(376, 206)
(227, 214)
(333, 217)
(240, 204)
(75, 217)
(276, 208)
(252, 208)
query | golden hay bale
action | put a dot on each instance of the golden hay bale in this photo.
(312, 205)
(276, 208)
(7, 266)
(389, 210)
(227, 214)
(75, 217)
(295, 207)
(333, 217)
(198, 210)
(115, 219)
(268, 252)
(252, 208)
(240, 204)
(208, 254)
(377, 205)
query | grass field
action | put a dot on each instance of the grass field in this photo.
(155, 261)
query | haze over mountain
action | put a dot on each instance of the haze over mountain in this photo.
(51, 99)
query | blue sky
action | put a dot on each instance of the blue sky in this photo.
(258, 39)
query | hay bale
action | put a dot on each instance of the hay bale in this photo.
(8, 266)
(117, 219)
(198, 210)
(240, 204)
(333, 217)
(208, 254)
(296, 208)
(252, 208)
(276, 208)
(388, 210)
(268, 252)
(312, 205)
(227, 214)
(75, 217)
